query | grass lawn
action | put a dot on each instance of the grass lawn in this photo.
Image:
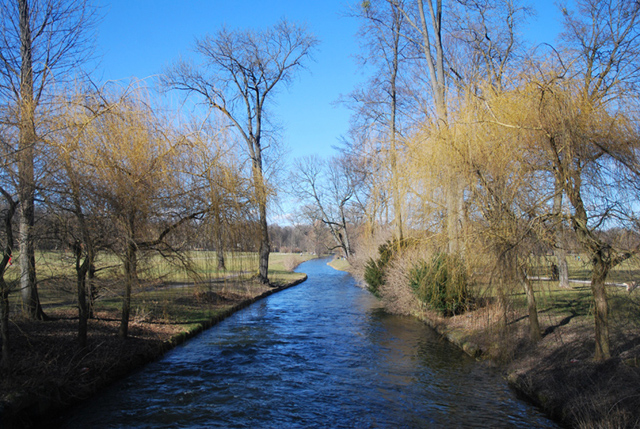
(340, 264)
(162, 281)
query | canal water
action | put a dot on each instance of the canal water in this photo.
(321, 354)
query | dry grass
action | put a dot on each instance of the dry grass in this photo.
(291, 262)
(340, 264)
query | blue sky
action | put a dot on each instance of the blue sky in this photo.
(137, 38)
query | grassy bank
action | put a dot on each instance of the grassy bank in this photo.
(340, 264)
(50, 372)
(558, 372)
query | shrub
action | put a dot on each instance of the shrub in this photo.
(374, 270)
(441, 283)
(374, 276)
(395, 293)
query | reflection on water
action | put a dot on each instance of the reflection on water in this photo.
(322, 354)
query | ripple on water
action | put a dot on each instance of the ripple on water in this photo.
(322, 354)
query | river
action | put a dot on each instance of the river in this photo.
(321, 354)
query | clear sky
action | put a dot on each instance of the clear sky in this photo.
(137, 38)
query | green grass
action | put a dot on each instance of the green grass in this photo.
(57, 288)
(555, 303)
(580, 268)
(340, 264)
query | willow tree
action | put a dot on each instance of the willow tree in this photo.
(138, 175)
(40, 41)
(460, 43)
(579, 115)
(70, 189)
(241, 72)
(590, 125)
(215, 171)
(509, 191)
(590, 149)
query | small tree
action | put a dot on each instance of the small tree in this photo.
(138, 173)
(589, 128)
(217, 173)
(70, 188)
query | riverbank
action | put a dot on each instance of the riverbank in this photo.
(52, 374)
(557, 373)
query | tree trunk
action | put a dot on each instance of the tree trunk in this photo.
(220, 255)
(93, 291)
(261, 197)
(219, 242)
(26, 177)
(534, 324)
(130, 272)
(559, 249)
(264, 251)
(455, 203)
(601, 308)
(563, 267)
(397, 204)
(9, 212)
(4, 323)
(345, 239)
(83, 310)
(82, 267)
(601, 266)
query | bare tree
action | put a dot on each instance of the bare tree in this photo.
(486, 47)
(40, 41)
(329, 190)
(379, 105)
(246, 67)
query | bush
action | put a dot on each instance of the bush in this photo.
(441, 283)
(374, 270)
(374, 276)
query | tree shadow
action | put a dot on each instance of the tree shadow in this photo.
(563, 322)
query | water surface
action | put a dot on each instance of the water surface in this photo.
(321, 354)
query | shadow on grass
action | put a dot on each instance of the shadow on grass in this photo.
(563, 322)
